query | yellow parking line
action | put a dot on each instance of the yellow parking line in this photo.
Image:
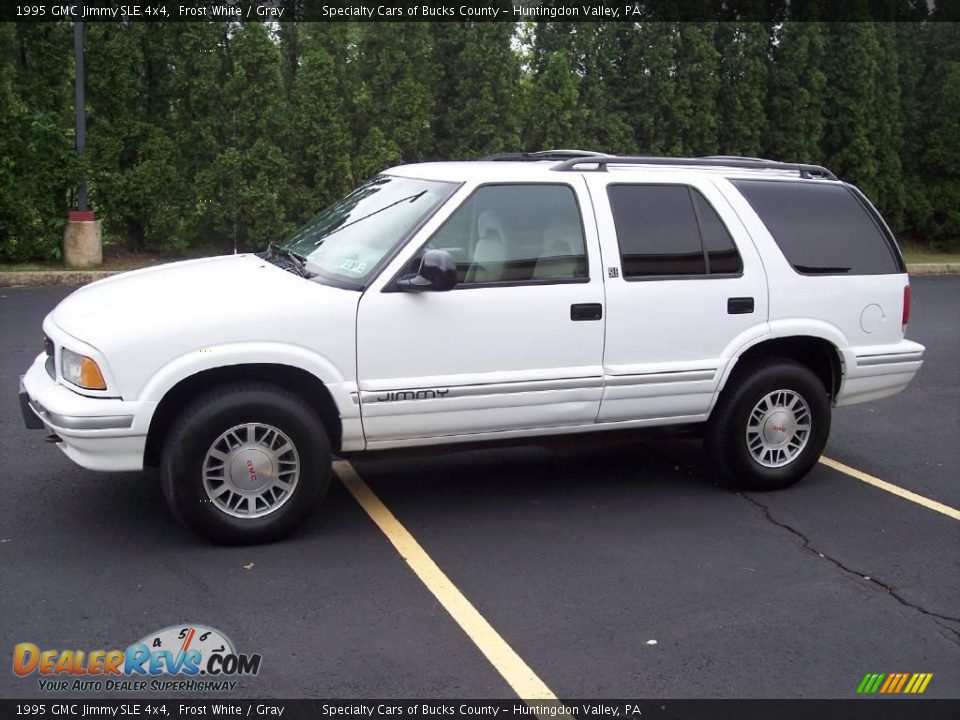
(891, 488)
(511, 666)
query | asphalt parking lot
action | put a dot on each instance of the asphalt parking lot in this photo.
(613, 569)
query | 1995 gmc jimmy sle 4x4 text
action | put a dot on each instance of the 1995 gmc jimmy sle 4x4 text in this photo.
(521, 296)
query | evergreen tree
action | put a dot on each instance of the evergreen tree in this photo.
(243, 193)
(939, 159)
(319, 136)
(38, 166)
(646, 89)
(887, 129)
(395, 92)
(554, 95)
(477, 78)
(744, 49)
(696, 74)
(796, 95)
(851, 100)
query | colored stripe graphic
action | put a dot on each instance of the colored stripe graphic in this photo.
(903, 680)
(870, 683)
(908, 683)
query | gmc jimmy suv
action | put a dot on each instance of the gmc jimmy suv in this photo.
(517, 297)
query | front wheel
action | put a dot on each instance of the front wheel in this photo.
(245, 463)
(770, 425)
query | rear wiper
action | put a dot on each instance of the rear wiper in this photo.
(294, 260)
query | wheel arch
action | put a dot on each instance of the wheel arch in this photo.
(819, 354)
(297, 380)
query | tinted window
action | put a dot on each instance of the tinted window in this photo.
(657, 230)
(821, 228)
(666, 229)
(515, 233)
(721, 252)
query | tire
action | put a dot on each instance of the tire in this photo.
(265, 436)
(781, 454)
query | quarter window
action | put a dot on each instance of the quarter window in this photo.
(669, 230)
(822, 228)
(515, 233)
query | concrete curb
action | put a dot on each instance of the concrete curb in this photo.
(933, 268)
(82, 277)
(19, 278)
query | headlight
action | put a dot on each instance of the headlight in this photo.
(81, 370)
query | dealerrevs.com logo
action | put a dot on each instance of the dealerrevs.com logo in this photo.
(185, 658)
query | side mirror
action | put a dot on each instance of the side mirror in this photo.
(438, 271)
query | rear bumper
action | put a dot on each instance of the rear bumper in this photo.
(879, 372)
(96, 433)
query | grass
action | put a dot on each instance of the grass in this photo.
(119, 263)
(913, 253)
(41, 267)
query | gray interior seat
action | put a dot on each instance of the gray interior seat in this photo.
(562, 247)
(490, 252)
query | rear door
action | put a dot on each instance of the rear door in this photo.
(685, 287)
(516, 345)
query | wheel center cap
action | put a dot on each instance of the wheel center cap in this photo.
(778, 428)
(251, 470)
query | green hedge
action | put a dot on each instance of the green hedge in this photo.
(218, 135)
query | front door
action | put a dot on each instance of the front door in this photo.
(516, 345)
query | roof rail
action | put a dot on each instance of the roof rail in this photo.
(735, 157)
(804, 170)
(547, 155)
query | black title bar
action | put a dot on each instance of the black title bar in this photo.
(58, 706)
(462, 10)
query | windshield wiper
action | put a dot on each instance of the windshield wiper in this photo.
(289, 260)
(410, 198)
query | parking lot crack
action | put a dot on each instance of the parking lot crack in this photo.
(808, 546)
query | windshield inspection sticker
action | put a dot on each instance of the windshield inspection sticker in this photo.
(169, 660)
(353, 266)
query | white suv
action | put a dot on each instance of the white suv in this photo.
(522, 296)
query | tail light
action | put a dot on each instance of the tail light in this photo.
(906, 307)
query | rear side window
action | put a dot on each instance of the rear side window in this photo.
(670, 230)
(821, 229)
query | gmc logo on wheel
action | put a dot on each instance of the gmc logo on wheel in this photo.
(251, 470)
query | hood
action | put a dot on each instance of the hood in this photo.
(207, 283)
(143, 319)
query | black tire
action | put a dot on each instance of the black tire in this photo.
(726, 432)
(204, 421)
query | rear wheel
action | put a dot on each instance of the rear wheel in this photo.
(770, 425)
(245, 463)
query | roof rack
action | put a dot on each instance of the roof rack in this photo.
(547, 155)
(804, 170)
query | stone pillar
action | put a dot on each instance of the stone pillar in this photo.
(82, 243)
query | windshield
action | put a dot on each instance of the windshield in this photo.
(347, 241)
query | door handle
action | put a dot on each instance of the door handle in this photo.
(739, 305)
(586, 311)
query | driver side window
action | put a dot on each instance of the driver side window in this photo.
(514, 234)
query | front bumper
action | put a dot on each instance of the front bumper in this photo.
(96, 433)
